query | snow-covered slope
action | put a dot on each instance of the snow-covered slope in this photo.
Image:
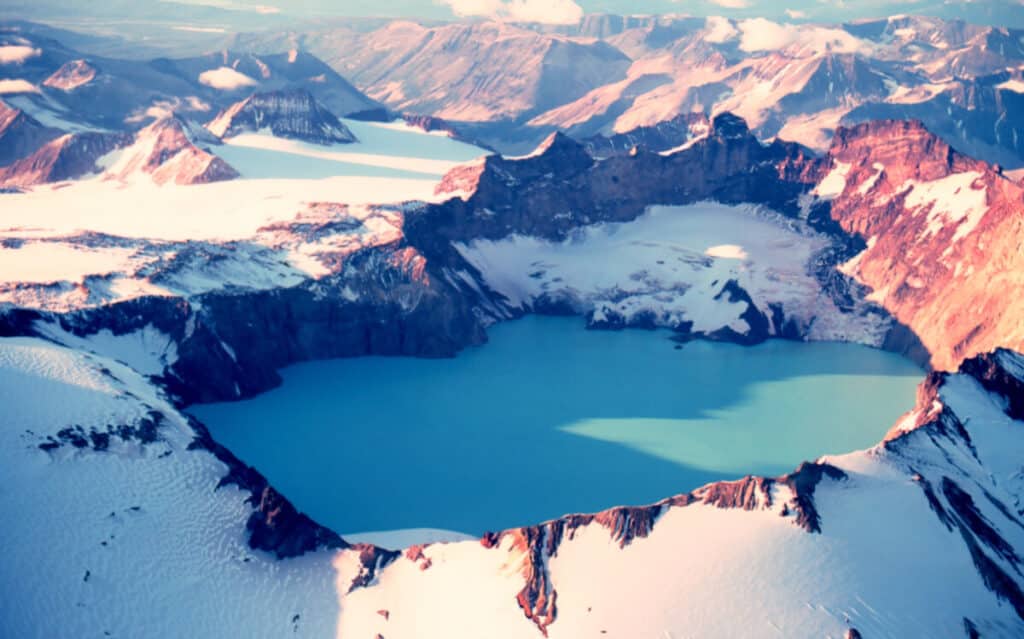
(122, 523)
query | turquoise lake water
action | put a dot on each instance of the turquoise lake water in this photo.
(549, 418)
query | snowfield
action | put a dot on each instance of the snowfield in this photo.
(122, 542)
(119, 235)
(673, 263)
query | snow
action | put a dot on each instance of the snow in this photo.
(672, 262)
(52, 114)
(219, 211)
(46, 262)
(774, 578)
(834, 183)
(953, 201)
(264, 155)
(51, 229)
(14, 86)
(870, 183)
(148, 351)
(16, 54)
(1012, 85)
(152, 534)
(226, 79)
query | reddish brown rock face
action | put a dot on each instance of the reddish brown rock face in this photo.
(945, 236)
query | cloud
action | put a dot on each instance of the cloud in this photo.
(546, 11)
(732, 4)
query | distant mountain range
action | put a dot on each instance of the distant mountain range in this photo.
(610, 75)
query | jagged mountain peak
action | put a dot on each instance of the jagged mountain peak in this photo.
(72, 75)
(168, 151)
(293, 113)
(729, 126)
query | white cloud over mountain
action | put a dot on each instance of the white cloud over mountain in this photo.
(546, 11)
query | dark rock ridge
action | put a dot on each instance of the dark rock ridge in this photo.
(538, 598)
(523, 195)
(291, 114)
(21, 134)
(275, 525)
(659, 138)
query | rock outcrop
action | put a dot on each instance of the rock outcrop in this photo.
(943, 234)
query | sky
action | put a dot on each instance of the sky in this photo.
(570, 11)
(252, 12)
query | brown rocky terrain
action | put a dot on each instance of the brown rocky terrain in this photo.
(944, 234)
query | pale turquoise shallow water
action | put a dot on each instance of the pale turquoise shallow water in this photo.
(549, 418)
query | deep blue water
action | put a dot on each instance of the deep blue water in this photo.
(549, 418)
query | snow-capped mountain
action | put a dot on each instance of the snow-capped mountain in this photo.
(70, 156)
(165, 151)
(149, 262)
(287, 114)
(611, 75)
(72, 91)
(460, 72)
(943, 234)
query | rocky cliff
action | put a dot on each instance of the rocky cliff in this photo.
(943, 235)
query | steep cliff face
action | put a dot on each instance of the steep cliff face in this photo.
(670, 136)
(942, 493)
(943, 235)
(288, 114)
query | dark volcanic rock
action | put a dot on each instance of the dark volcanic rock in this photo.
(658, 138)
(274, 525)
